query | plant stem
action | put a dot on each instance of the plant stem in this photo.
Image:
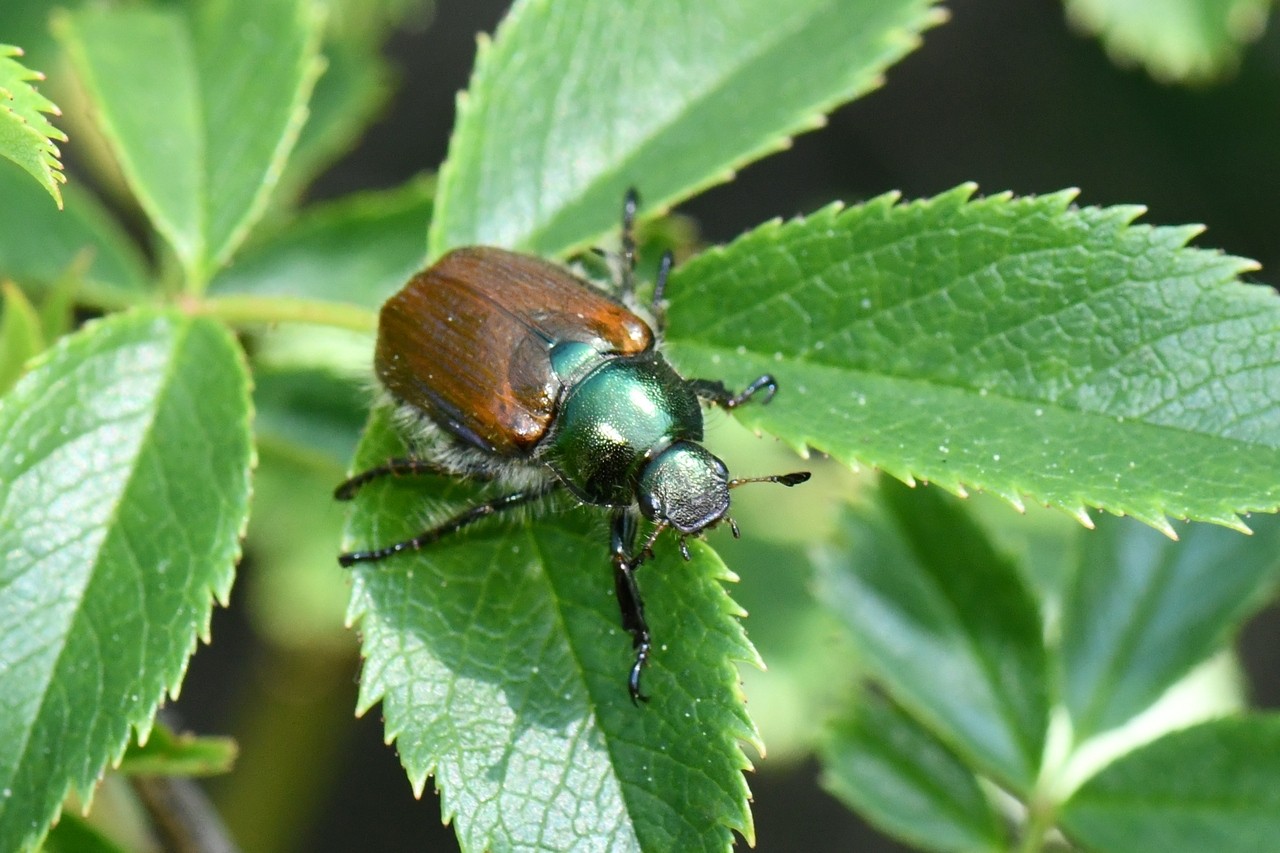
(1040, 819)
(250, 310)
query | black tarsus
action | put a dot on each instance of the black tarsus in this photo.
(627, 284)
(715, 391)
(435, 534)
(622, 542)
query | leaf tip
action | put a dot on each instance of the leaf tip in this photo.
(1234, 522)
(1080, 514)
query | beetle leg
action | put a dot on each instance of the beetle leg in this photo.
(622, 541)
(459, 521)
(627, 287)
(715, 391)
(657, 307)
(395, 467)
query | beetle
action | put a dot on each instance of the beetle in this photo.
(508, 368)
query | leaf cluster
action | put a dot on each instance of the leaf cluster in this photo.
(1027, 348)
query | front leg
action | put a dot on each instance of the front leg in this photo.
(714, 391)
(622, 541)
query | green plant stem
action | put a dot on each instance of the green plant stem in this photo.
(250, 310)
(1040, 819)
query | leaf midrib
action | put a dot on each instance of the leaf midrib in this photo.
(729, 355)
(557, 600)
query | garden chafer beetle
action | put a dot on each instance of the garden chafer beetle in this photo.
(508, 368)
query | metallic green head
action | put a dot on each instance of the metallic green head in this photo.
(685, 486)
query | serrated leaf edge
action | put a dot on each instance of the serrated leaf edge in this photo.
(1118, 218)
(904, 39)
(35, 124)
(744, 731)
(140, 727)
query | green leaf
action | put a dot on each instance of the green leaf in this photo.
(73, 834)
(501, 665)
(946, 624)
(296, 598)
(808, 658)
(20, 334)
(26, 136)
(367, 23)
(124, 484)
(1176, 40)
(1143, 610)
(574, 101)
(310, 411)
(168, 753)
(900, 777)
(360, 249)
(1215, 786)
(1018, 346)
(40, 244)
(354, 88)
(201, 109)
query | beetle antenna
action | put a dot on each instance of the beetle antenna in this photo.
(793, 479)
(684, 549)
(733, 527)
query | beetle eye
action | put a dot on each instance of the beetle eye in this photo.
(647, 507)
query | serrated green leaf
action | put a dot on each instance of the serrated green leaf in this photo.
(1018, 346)
(501, 666)
(26, 136)
(900, 777)
(1176, 40)
(946, 625)
(353, 89)
(1143, 610)
(576, 100)
(124, 483)
(40, 244)
(1215, 786)
(201, 109)
(20, 334)
(168, 753)
(360, 249)
(76, 835)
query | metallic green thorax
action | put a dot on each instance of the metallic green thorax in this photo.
(617, 413)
